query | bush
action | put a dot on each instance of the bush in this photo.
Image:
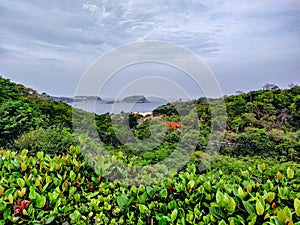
(53, 140)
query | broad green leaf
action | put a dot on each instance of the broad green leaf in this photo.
(72, 190)
(231, 205)
(41, 214)
(72, 175)
(163, 193)
(32, 193)
(41, 201)
(271, 197)
(288, 212)
(218, 213)
(91, 195)
(191, 184)
(290, 173)
(49, 220)
(149, 190)
(122, 201)
(240, 192)
(250, 209)
(252, 219)
(259, 207)
(142, 208)
(2, 206)
(222, 222)
(10, 191)
(6, 213)
(281, 216)
(25, 213)
(24, 152)
(297, 206)
(10, 198)
(40, 155)
(172, 204)
(174, 215)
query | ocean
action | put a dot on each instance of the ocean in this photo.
(101, 107)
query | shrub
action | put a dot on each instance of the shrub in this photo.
(53, 140)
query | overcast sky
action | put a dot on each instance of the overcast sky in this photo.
(48, 45)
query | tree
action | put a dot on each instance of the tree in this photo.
(270, 87)
(16, 117)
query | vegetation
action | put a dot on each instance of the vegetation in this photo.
(48, 189)
(246, 174)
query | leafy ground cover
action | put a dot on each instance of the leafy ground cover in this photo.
(56, 189)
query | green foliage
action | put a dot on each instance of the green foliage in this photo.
(53, 140)
(23, 109)
(55, 189)
(16, 117)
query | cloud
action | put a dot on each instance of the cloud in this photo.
(226, 34)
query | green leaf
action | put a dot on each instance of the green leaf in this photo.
(25, 213)
(218, 213)
(163, 193)
(75, 162)
(162, 222)
(297, 206)
(174, 215)
(191, 184)
(231, 205)
(92, 194)
(6, 213)
(259, 207)
(288, 212)
(45, 187)
(142, 208)
(41, 214)
(32, 194)
(252, 219)
(10, 191)
(24, 152)
(250, 209)
(222, 222)
(41, 201)
(72, 190)
(2, 206)
(222, 199)
(149, 190)
(122, 201)
(172, 204)
(72, 175)
(290, 173)
(40, 155)
(21, 182)
(10, 198)
(49, 220)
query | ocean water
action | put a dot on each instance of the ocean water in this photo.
(101, 107)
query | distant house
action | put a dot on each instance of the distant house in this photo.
(144, 116)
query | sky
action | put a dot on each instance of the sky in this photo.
(48, 45)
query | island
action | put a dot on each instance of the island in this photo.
(135, 99)
(72, 99)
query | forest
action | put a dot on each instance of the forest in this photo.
(237, 162)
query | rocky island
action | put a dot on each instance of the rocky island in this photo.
(135, 99)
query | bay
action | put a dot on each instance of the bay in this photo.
(102, 107)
